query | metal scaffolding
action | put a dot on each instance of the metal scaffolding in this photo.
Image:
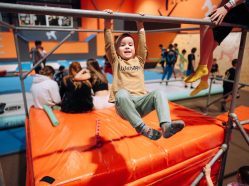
(7, 7)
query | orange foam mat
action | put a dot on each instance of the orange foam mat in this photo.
(242, 114)
(75, 153)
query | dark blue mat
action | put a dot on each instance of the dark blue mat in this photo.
(12, 141)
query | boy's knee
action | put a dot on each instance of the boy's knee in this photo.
(122, 94)
(158, 94)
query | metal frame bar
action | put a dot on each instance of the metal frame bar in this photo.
(100, 31)
(218, 99)
(214, 101)
(7, 25)
(229, 127)
(241, 129)
(213, 160)
(20, 73)
(104, 15)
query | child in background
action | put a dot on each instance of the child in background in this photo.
(191, 65)
(170, 63)
(181, 62)
(228, 86)
(128, 90)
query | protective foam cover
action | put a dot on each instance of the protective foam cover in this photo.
(100, 148)
(242, 114)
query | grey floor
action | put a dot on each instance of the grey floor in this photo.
(238, 154)
(13, 167)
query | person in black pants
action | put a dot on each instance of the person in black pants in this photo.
(228, 86)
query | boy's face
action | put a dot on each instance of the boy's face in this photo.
(126, 48)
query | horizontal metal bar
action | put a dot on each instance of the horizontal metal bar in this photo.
(231, 81)
(223, 96)
(244, 122)
(99, 31)
(8, 7)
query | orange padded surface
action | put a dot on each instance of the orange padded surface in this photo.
(73, 153)
(242, 114)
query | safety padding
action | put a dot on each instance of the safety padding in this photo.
(100, 148)
(242, 114)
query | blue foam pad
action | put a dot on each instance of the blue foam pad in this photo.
(25, 67)
(12, 141)
(65, 63)
(12, 121)
(150, 75)
(13, 84)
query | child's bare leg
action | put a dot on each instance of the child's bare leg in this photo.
(206, 49)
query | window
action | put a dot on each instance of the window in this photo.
(45, 20)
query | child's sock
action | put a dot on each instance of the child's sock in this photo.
(202, 86)
(169, 129)
(201, 71)
(148, 132)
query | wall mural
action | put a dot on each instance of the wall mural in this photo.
(209, 5)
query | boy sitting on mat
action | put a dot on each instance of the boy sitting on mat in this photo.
(128, 90)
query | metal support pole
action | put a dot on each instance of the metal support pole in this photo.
(42, 10)
(229, 127)
(48, 54)
(20, 72)
(209, 93)
(213, 160)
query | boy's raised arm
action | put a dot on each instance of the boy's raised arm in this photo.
(109, 43)
(142, 48)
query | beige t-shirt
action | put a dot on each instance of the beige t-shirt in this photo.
(127, 74)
